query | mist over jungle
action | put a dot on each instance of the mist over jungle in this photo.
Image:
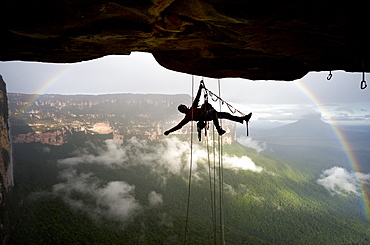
(291, 184)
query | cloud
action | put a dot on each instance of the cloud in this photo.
(116, 200)
(283, 112)
(84, 192)
(254, 144)
(340, 181)
(243, 163)
(155, 198)
(345, 117)
(169, 157)
(46, 149)
(345, 109)
(312, 116)
(113, 155)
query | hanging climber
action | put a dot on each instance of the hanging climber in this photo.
(205, 113)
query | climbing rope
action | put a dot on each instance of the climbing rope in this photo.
(214, 97)
(218, 171)
(216, 157)
(329, 76)
(363, 84)
(212, 193)
(191, 166)
(221, 176)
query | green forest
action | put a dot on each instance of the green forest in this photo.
(282, 204)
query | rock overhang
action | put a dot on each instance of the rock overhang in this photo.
(258, 40)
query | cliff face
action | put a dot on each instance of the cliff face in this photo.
(275, 40)
(5, 164)
(56, 137)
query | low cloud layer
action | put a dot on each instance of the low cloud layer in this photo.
(242, 163)
(113, 155)
(342, 182)
(116, 200)
(172, 156)
(84, 192)
(155, 199)
(251, 143)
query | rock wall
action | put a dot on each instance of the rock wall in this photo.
(5, 165)
(260, 40)
(56, 137)
(5, 147)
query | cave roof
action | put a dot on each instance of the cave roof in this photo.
(257, 40)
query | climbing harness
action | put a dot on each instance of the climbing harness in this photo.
(205, 107)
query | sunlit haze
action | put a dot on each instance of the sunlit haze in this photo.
(339, 100)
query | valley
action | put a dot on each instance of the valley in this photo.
(99, 189)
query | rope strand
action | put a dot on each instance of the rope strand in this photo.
(213, 208)
(221, 177)
(190, 171)
(231, 108)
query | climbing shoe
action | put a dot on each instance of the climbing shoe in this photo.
(221, 131)
(247, 117)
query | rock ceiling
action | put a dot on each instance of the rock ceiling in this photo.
(275, 40)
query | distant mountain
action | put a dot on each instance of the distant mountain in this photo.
(309, 143)
(310, 127)
(312, 131)
(314, 143)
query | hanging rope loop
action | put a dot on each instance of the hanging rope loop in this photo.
(363, 82)
(329, 76)
(232, 109)
(215, 98)
(363, 85)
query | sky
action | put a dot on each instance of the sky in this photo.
(339, 100)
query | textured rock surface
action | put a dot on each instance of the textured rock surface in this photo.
(281, 40)
(5, 166)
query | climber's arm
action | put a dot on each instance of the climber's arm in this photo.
(197, 97)
(178, 126)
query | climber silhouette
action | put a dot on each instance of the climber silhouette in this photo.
(204, 113)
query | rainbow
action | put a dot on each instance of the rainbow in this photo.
(42, 89)
(351, 158)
